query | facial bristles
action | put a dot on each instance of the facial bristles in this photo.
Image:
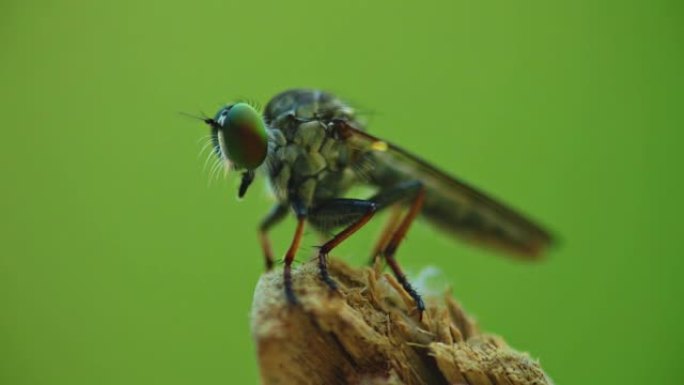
(252, 103)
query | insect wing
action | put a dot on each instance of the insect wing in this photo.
(451, 204)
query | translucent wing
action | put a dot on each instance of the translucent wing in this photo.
(450, 204)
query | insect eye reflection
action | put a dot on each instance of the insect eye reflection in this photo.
(221, 116)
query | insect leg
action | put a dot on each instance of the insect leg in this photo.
(336, 210)
(390, 227)
(289, 257)
(394, 242)
(301, 213)
(272, 218)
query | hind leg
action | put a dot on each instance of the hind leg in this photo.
(394, 242)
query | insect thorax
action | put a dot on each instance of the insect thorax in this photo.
(305, 161)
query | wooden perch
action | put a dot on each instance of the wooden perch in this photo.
(369, 334)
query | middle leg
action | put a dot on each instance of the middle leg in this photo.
(354, 213)
(337, 211)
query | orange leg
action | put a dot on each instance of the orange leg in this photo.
(289, 258)
(276, 215)
(266, 247)
(390, 227)
(333, 211)
(339, 238)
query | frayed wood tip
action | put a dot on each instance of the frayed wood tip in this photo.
(369, 334)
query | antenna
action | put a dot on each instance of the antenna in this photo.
(203, 118)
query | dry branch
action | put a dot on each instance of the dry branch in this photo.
(370, 334)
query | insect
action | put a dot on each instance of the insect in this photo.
(314, 149)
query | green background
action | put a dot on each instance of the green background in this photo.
(121, 264)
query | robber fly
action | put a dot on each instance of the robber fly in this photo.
(314, 149)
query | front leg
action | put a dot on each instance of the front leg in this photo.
(274, 217)
(301, 213)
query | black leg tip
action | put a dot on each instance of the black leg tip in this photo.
(332, 285)
(420, 305)
(323, 270)
(327, 279)
(291, 297)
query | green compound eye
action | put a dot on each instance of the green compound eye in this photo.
(242, 135)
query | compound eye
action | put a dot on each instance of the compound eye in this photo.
(244, 135)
